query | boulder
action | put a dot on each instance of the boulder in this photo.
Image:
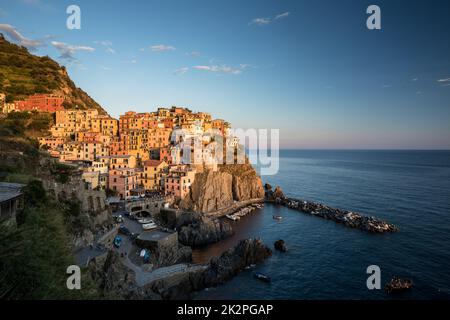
(280, 245)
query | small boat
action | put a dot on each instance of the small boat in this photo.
(261, 276)
(145, 221)
(276, 217)
(231, 217)
(398, 285)
(149, 226)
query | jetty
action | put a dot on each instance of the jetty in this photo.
(347, 218)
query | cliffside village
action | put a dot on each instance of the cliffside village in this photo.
(132, 156)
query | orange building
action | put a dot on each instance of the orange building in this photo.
(165, 154)
(51, 142)
(40, 103)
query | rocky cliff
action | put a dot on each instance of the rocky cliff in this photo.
(218, 271)
(216, 190)
(204, 231)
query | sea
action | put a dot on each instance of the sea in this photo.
(326, 260)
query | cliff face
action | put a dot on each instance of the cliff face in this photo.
(212, 191)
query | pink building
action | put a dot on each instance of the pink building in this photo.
(123, 181)
(178, 182)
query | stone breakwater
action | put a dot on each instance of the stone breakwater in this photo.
(347, 218)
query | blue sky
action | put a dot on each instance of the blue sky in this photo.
(309, 68)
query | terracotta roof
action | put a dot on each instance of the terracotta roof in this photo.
(152, 163)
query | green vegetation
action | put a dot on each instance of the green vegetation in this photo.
(18, 146)
(29, 124)
(34, 255)
(61, 172)
(23, 74)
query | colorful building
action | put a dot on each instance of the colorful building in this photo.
(41, 103)
(153, 174)
(178, 181)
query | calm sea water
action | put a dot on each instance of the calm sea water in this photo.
(328, 261)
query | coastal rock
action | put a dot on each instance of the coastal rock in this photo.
(276, 195)
(217, 190)
(204, 231)
(280, 245)
(231, 262)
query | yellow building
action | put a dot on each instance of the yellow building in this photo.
(153, 174)
(105, 125)
(84, 151)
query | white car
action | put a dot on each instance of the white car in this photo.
(145, 220)
(149, 226)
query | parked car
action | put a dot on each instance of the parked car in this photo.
(145, 220)
(117, 241)
(149, 226)
(124, 230)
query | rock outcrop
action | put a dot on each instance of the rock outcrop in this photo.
(273, 195)
(231, 262)
(216, 190)
(114, 280)
(204, 231)
(280, 245)
(219, 270)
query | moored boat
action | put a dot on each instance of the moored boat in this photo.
(261, 276)
(398, 285)
(232, 217)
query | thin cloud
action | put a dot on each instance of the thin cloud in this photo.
(67, 51)
(443, 80)
(223, 69)
(161, 48)
(16, 36)
(107, 45)
(181, 71)
(260, 21)
(387, 86)
(194, 54)
(282, 15)
(266, 21)
(414, 79)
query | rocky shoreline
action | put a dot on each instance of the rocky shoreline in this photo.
(116, 281)
(347, 218)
